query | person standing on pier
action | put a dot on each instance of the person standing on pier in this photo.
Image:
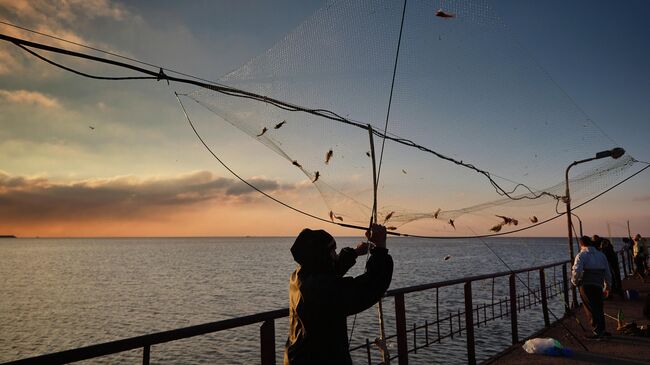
(590, 271)
(640, 250)
(605, 246)
(321, 298)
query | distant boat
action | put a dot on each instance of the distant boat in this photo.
(7, 236)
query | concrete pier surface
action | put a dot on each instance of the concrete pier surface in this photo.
(617, 349)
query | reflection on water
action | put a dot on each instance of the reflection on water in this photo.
(59, 294)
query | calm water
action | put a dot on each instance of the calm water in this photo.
(57, 294)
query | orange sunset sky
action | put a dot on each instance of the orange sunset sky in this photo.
(85, 158)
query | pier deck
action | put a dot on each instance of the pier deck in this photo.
(619, 349)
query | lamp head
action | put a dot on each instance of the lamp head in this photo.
(613, 153)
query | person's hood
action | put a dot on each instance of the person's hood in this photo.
(311, 250)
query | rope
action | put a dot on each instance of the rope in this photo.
(392, 86)
(105, 52)
(376, 173)
(287, 106)
(239, 177)
(324, 113)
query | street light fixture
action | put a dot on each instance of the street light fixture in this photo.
(613, 153)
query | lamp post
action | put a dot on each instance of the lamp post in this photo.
(613, 153)
(579, 222)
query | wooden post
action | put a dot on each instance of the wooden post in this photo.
(513, 309)
(469, 324)
(542, 285)
(267, 342)
(400, 323)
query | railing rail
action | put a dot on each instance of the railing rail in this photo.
(465, 320)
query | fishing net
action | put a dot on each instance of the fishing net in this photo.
(479, 134)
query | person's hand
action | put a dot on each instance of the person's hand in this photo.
(377, 235)
(361, 249)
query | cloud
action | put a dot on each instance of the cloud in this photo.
(65, 19)
(38, 200)
(29, 97)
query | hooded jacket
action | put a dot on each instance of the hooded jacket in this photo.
(321, 298)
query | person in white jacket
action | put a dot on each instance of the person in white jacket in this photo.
(590, 272)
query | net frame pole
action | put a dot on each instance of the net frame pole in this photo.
(373, 219)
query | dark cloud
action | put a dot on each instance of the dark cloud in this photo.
(24, 199)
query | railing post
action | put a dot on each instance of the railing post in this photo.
(469, 324)
(542, 285)
(267, 342)
(400, 323)
(565, 283)
(513, 309)
(368, 351)
(146, 355)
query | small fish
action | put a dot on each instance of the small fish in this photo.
(279, 125)
(91, 127)
(295, 163)
(328, 156)
(368, 153)
(391, 228)
(388, 216)
(533, 219)
(508, 220)
(443, 14)
(263, 131)
(404, 171)
(496, 228)
(451, 221)
(435, 214)
(316, 176)
(334, 216)
(447, 257)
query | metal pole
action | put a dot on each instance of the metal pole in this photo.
(373, 219)
(267, 342)
(513, 310)
(469, 324)
(542, 285)
(567, 200)
(400, 323)
(613, 153)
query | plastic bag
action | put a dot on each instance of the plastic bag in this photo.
(546, 346)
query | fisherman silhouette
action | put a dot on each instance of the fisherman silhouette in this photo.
(321, 297)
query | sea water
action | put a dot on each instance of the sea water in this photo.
(59, 294)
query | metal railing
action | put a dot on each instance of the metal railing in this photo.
(462, 321)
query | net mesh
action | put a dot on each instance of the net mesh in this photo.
(465, 88)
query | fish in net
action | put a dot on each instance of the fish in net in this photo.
(477, 130)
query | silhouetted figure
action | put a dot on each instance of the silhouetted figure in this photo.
(640, 250)
(590, 271)
(321, 298)
(606, 247)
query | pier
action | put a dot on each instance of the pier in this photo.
(617, 349)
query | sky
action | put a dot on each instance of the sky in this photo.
(139, 171)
